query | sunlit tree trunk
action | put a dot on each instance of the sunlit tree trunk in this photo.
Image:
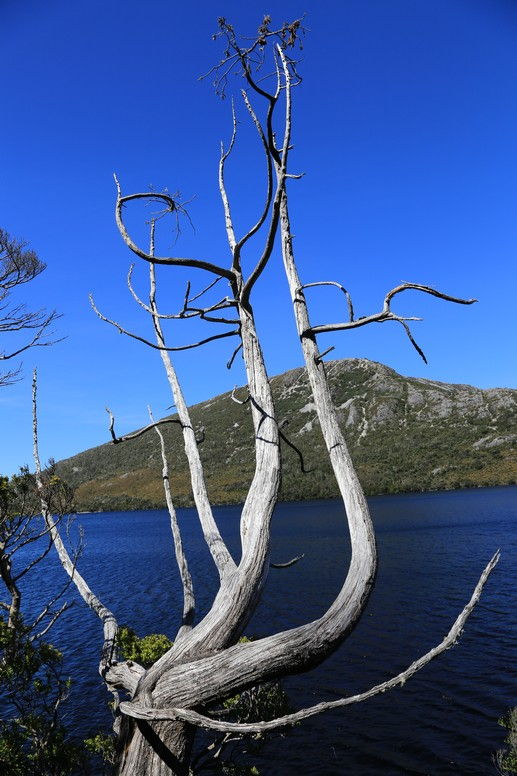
(162, 706)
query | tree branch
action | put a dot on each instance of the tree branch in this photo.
(36, 340)
(337, 285)
(296, 450)
(229, 363)
(154, 714)
(189, 602)
(187, 311)
(170, 206)
(222, 558)
(269, 192)
(288, 564)
(385, 314)
(153, 345)
(230, 232)
(116, 439)
(109, 623)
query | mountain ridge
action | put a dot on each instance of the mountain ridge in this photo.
(405, 434)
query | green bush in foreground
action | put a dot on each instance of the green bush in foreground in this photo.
(32, 740)
(506, 759)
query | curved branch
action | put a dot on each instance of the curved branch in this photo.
(426, 290)
(268, 248)
(269, 192)
(109, 623)
(288, 564)
(296, 450)
(153, 714)
(170, 206)
(116, 439)
(386, 313)
(337, 285)
(229, 363)
(153, 344)
(239, 401)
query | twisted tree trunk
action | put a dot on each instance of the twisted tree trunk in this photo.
(206, 664)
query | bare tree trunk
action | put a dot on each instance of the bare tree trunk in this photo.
(160, 749)
(14, 590)
(206, 663)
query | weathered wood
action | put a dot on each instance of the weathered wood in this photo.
(151, 714)
(109, 623)
(205, 664)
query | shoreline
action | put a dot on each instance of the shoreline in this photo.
(302, 501)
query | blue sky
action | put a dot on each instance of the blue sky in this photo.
(405, 127)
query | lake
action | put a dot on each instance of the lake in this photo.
(432, 549)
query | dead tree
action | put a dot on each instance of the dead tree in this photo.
(165, 704)
(20, 265)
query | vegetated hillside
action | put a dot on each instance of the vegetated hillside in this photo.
(405, 434)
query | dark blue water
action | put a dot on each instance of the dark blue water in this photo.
(432, 550)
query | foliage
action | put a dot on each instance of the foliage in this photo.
(103, 746)
(258, 704)
(263, 702)
(20, 500)
(145, 650)
(33, 741)
(506, 759)
(234, 769)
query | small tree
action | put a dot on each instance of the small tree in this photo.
(207, 663)
(32, 686)
(18, 266)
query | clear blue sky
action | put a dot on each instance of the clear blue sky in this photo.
(406, 128)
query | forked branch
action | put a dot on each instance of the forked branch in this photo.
(155, 346)
(41, 339)
(386, 314)
(187, 311)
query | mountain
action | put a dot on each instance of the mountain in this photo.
(405, 434)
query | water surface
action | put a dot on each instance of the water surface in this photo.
(432, 549)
